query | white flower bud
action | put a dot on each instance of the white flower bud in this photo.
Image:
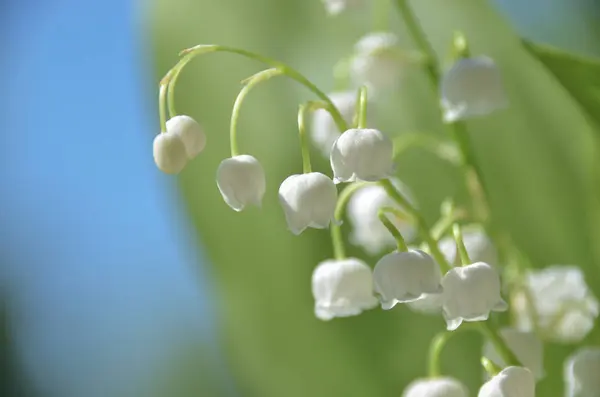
(582, 373)
(401, 277)
(324, 131)
(470, 293)
(335, 7)
(471, 88)
(478, 244)
(367, 230)
(564, 306)
(376, 61)
(241, 181)
(342, 288)
(436, 387)
(308, 200)
(362, 154)
(169, 153)
(526, 347)
(190, 132)
(510, 382)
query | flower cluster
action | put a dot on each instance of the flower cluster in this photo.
(452, 269)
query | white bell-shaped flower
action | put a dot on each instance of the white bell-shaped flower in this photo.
(241, 181)
(169, 153)
(335, 7)
(308, 200)
(367, 231)
(582, 373)
(324, 131)
(428, 304)
(342, 288)
(376, 61)
(510, 382)
(470, 293)
(190, 132)
(526, 347)
(478, 244)
(564, 306)
(472, 87)
(362, 154)
(401, 277)
(436, 387)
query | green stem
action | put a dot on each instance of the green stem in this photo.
(460, 245)
(361, 105)
(421, 223)
(489, 366)
(491, 333)
(339, 250)
(435, 352)
(237, 105)
(162, 113)
(171, 100)
(191, 53)
(389, 225)
(304, 144)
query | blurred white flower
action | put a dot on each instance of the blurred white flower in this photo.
(564, 306)
(510, 382)
(324, 131)
(472, 87)
(470, 293)
(526, 347)
(241, 181)
(367, 231)
(401, 277)
(362, 154)
(335, 7)
(428, 304)
(436, 387)
(342, 288)
(376, 61)
(582, 373)
(478, 244)
(169, 153)
(308, 200)
(190, 133)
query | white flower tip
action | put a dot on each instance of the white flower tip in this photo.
(169, 153)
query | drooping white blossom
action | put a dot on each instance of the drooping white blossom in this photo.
(308, 200)
(362, 154)
(510, 382)
(169, 153)
(401, 277)
(241, 181)
(436, 387)
(367, 231)
(582, 373)
(478, 244)
(376, 61)
(470, 293)
(342, 288)
(324, 131)
(428, 304)
(472, 87)
(335, 7)
(563, 305)
(526, 347)
(191, 134)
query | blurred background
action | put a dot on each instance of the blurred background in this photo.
(117, 280)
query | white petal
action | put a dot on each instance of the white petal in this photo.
(169, 153)
(241, 181)
(582, 373)
(436, 387)
(190, 132)
(478, 244)
(510, 382)
(526, 346)
(376, 62)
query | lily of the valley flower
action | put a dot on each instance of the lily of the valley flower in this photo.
(470, 293)
(376, 62)
(471, 88)
(342, 288)
(526, 347)
(563, 305)
(436, 387)
(362, 154)
(241, 181)
(308, 200)
(169, 153)
(478, 244)
(324, 131)
(401, 277)
(510, 382)
(190, 133)
(582, 373)
(367, 230)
